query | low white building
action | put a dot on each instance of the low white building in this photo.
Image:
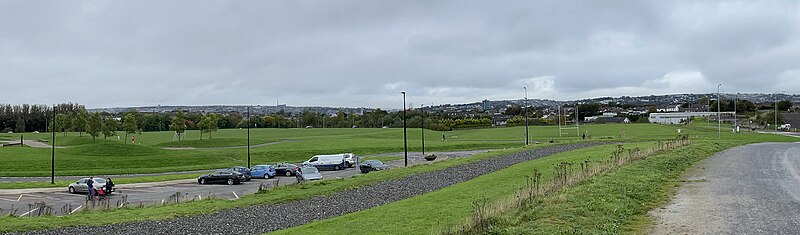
(678, 118)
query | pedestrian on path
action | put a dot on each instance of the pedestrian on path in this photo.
(444, 138)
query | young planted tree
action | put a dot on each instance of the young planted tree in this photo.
(94, 124)
(110, 126)
(129, 124)
(178, 124)
(203, 125)
(79, 121)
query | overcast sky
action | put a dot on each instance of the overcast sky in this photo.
(361, 53)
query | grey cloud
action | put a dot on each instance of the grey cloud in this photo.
(360, 53)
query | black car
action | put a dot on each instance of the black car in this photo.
(371, 165)
(228, 177)
(286, 169)
(243, 170)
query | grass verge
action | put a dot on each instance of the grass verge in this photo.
(431, 212)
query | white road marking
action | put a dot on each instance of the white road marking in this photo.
(26, 213)
(234, 194)
(20, 197)
(76, 209)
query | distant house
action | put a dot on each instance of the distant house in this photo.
(668, 109)
(613, 120)
(678, 118)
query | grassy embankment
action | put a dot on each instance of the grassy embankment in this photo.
(613, 202)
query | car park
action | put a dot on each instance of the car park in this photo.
(286, 169)
(228, 177)
(371, 165)
(309, 173)
(81, 187)
(244, 170)
(330, 162)
(262, 171)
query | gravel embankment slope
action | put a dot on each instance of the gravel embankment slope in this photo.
(266, 218)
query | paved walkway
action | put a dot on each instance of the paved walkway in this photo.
(30, 143)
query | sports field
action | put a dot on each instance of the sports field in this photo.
(150, 153)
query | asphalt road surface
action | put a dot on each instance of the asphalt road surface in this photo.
(154, 193)
(753, 189)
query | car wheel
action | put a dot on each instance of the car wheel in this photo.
(202, 181)
(336, 167)
(270, 176)
(230, 182)
(288, 173)
(71, 190)
(347, 165)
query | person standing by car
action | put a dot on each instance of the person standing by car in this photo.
(90, 188)
(109, 185)
(299, 176)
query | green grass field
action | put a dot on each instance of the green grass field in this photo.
(82, 157)
(616, 202)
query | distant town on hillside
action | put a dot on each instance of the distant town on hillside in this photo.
(485, 106)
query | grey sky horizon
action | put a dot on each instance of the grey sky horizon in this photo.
(362, 53)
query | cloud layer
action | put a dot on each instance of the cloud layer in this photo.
(361, 53)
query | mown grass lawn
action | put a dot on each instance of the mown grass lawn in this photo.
(83, 157)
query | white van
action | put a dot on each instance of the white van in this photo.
(333, 162)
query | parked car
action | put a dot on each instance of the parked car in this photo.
(309, 173)
(371, 165)
(247, 174)
(81, 187)
(349, 160)
(228, 177)
(332, 162)
(262, 171)
(286, 169)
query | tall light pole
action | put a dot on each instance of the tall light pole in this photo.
(422, 108)
(248, 136)
(735, 121)
(719, 120)
(405, 138)
(53, 150)
(776, 112)
(526, 115)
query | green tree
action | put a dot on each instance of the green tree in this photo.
(80, 121)
(110, 126)
(207, 125)
(785, 105)
(129, 124)
(94, 125)
(178, 124)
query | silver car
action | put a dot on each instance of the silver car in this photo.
(81, 187)
(309, 173)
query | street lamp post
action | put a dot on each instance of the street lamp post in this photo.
(735, 121)
(53, 150)
(405, 139)
(526, 115)
(248, 136)
(719, 120)
(422, 108)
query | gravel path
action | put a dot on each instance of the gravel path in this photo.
(264, 218)
(752, 189)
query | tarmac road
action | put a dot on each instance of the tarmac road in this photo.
(153, 193)
(753, 189)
